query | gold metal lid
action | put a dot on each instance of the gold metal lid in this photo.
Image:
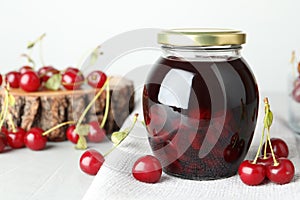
(201, 37)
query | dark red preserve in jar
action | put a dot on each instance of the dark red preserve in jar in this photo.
(200, 103)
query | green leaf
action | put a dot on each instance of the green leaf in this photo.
(30, 45)
(95, 55)
(268, 119)
(54, 82)
(11, 100)
(118, 137)
(83, 130)
(81, 143)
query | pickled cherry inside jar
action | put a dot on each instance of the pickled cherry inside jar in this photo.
(200, 103)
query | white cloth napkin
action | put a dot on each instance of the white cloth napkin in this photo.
(114, 180)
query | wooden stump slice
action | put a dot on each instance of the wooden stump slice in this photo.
(46, 109)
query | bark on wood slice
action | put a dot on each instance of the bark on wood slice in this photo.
(45, 109)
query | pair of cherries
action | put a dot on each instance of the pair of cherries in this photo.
(71, 78)
(146, 169)
(279, 170)
(32, 139)
(96, 133)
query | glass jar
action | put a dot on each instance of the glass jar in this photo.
(294, 102)
(200, 103)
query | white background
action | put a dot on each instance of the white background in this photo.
(75, 27)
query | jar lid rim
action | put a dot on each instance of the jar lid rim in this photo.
(201, 37)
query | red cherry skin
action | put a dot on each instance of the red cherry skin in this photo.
(13, 78)
(231, 154)
(251, 174)
(16, 140)
(96, 79)
(96, 134)
(279, 146)
(73, 69)
(2, 144)
(91, 161)
(4, 130)
(147, 169)
(46, 72)
(34, 139)
(282, 173)
(43, 70)
(3, 138)
(72, 80)
(30, 81)
(266, 161)
(1, 80)
(3, 135)
(25, 68)
(296, 93)
(71, 135)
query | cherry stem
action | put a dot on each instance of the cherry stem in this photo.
(58, 126)
(127, 133)
(89, 106)
(13, 127)
(260, 145)
(32, 44)
(272, 151)
(106, 106)
(29, 59)
(265, 149)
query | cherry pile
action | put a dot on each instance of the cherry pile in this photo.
(30, 81)
(19, 138)
(273, 163)
(49, 77)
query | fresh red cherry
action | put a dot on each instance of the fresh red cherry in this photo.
(282, 173)
(25, 68)
(47, 72)
(296, 93)
(1, 80)
(279, 146)
(2, 144)
(96, 79)
(16, 139)
(3, 137)
(71, 135)
(3, 134)
(43, 70)
(72, 80)
(91, 161)
(231, 154)
(13, 78)
(73, 69)
(266, 161)
(147, 169)
(250, 173)
(34, 139)
(4, 130)
(30, 81)
(96, 133)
